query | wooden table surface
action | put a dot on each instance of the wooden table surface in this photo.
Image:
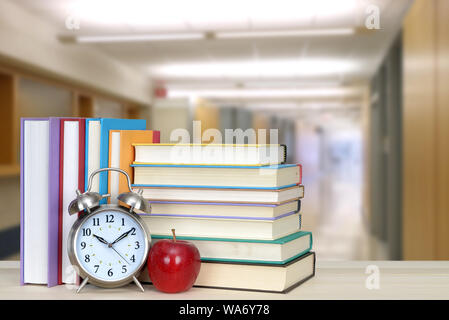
(333, 280)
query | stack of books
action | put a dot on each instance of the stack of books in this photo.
(239, 204)
(57, 155)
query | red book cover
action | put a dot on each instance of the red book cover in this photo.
(156, 136)
(61, 162)
(81, 166)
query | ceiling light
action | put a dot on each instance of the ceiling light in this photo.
(255, 69)
(285, 33)
(217, 35)
(266, 93)
(212, 15)
(140, 37)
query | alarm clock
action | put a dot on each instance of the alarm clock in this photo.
(109, 243)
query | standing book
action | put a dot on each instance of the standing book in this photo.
(71, 178)
(97, 147)
(39, 200)
(121, 155)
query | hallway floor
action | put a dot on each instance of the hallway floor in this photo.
(332, 210)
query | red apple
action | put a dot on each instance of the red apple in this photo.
(173, 265)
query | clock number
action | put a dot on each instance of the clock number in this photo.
(86, 232)
(109, 218)
(137, 245)
(133, 258)
(83, 245)
(110, 273)
(124, 270)
(97, 266)
(133, 232)
(87, 258)
(96, 222)
(123, 222)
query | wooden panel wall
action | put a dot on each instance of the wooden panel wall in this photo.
(208, 114)
(8, 124)
(426, 131)
(442, 142)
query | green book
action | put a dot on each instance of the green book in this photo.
(279, 251)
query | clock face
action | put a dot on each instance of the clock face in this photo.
(111, 245)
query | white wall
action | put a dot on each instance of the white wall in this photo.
(171, 114)
(29, 41)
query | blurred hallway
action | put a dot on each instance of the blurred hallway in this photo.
(330, 148)
(356, 89)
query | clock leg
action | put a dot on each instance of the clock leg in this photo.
(138, 284)
(82, 284)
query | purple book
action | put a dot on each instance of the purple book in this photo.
(53, 198)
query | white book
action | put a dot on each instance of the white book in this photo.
(279, 278)
(223, 210)
(268, 177)
(223, 195)
(35, 201)
(217, 154)
(70, 176)
(257, 277)
(224, 228)
(277, 251)
(93, 152)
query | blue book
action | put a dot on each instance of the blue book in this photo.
(97, 147)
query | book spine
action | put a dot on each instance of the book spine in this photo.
(82, 154)
(300, 174)
(285, 153)
(60, 209)
(53, 201)
(22, 221)
(156, 136)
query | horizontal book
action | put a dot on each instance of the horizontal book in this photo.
(267, 177)
(278, 251)
(97, 147)
(39, 200)
(224, 228)
(121, 155)
(236, 195)
(223, 210)
(277, 278)
(218, 154)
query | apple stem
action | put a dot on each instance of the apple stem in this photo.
(174, 235)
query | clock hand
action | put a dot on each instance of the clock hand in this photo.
(101, 239)
(123, 235)
(119, 254)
